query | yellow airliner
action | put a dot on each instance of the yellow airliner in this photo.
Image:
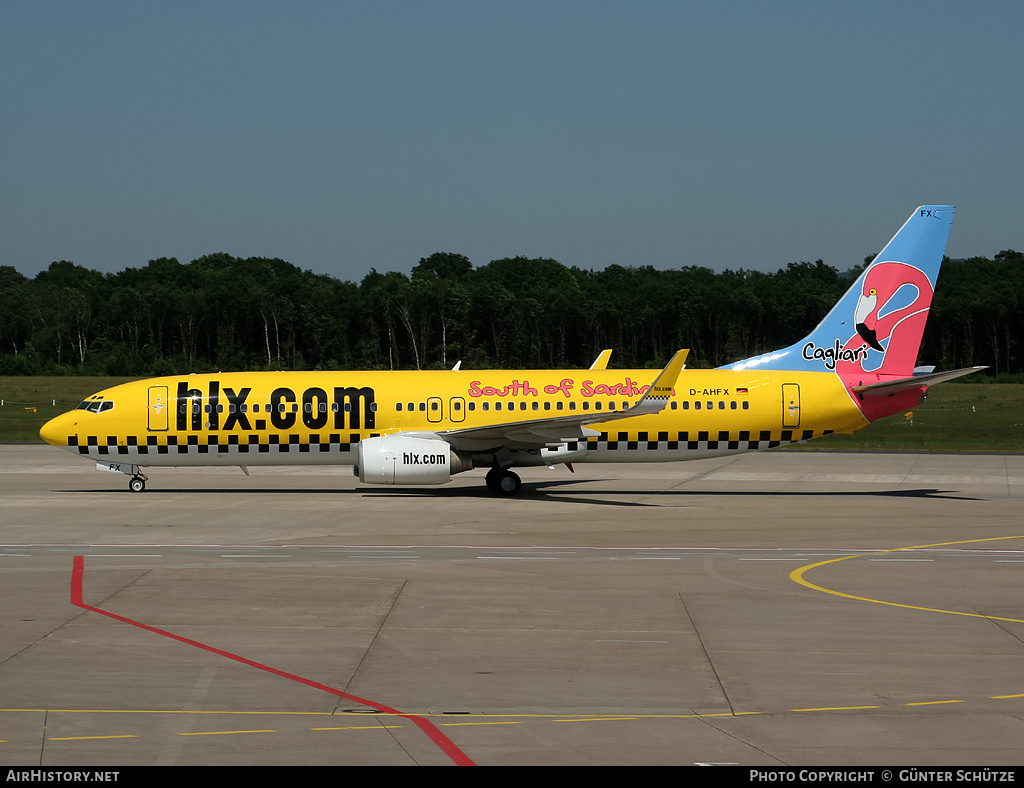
(421, 427)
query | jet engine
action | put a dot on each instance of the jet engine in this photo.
(406, 459)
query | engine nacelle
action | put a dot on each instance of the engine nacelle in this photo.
(405, 459)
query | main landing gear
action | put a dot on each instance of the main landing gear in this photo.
(503, 482)
(137, 483)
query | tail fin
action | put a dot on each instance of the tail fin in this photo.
(875, 329)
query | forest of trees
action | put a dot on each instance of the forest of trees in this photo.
(225, 313)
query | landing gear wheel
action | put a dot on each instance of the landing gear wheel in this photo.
(137, 484)
(491, 479)
(508, 484)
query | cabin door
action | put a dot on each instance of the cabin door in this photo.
(790, 406)
(157, 408)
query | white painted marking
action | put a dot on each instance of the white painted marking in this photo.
(631, 641)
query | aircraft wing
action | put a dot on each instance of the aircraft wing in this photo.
(537, 433)
(888, 387)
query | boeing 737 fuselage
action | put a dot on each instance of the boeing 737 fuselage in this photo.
(421, 427)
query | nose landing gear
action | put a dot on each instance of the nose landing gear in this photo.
(138, 481)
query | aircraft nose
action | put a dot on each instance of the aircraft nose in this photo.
(56, 430)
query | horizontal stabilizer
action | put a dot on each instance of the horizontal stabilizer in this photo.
(908, 384)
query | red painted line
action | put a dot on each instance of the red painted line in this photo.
(446, 745)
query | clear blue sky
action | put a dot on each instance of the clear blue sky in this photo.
(344, 136)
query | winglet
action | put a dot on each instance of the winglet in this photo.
(601, 362)
(657, 396)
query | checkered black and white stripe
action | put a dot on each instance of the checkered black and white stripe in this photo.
(223, 444)
(699, 441)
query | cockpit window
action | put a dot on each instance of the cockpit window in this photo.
(97, 406)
